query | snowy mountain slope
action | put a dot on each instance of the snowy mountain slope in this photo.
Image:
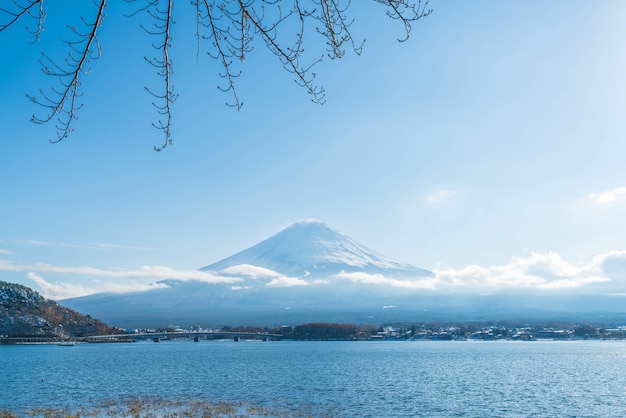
(312, 248)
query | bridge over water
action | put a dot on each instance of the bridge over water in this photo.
(195, 335)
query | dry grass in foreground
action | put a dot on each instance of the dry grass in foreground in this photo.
(161, 408)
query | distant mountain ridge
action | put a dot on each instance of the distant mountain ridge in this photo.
(24, 312)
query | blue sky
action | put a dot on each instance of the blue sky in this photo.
(489, 148)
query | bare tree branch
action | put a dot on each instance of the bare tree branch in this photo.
(290, 57)
(162, 22)
(231, 28)
(62, 104)
(221, 53)
(27, 8)
(407, 12)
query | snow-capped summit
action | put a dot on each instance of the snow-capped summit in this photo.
(314, 248)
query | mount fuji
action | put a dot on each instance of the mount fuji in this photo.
(312, 249)
(307, 272)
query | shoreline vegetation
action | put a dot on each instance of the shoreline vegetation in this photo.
(159, 407)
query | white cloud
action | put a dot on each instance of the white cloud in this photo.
(69, 290)
(285, 281)
(379, 279)
(609, 196)
(256, 273)
(150, 272)
(605, 273)
(2, 251)
(46, 243)
(439, 195)
(8, 266)
(88, 245)
(248, 270)
(546, 271)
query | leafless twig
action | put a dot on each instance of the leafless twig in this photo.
(162, 22)
(62, 103)
(26, 8)
(231, 28)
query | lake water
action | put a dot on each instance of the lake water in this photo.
(351, 379)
